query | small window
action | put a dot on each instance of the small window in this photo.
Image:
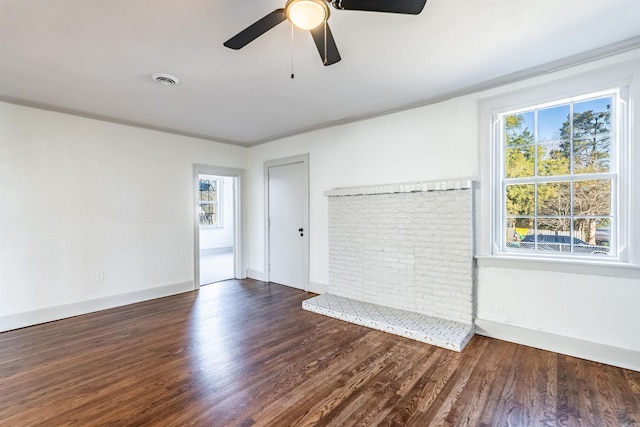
(209, 202)
(559, 178)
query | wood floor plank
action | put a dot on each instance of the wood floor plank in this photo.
(386, 404)
(477, 393)
(501, 357)
(442, 411)
(621, 405)
(532, 392)
(244, 353)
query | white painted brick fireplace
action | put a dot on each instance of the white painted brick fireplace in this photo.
(404, 247)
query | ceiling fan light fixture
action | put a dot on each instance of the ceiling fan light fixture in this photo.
(306, 14)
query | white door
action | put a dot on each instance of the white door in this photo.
(287, 222)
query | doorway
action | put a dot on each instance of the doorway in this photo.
(217, 239)
(217, 226)
(287, 213)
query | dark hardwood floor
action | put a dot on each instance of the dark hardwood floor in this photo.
(244, 353)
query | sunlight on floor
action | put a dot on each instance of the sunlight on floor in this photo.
(216, 266)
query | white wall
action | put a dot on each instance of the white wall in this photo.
(598, 309)
(221, 237)
(441, 142)
(79, 196)
(416, 145)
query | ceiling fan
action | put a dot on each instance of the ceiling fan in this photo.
(312, 15)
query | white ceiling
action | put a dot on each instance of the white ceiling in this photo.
(96, 57)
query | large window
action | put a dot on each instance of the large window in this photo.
(558, 187)
(559, 178)
(209, 200)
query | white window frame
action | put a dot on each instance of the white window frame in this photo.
(551, 89)
(498, 140)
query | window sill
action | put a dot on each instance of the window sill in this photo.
(589, 267)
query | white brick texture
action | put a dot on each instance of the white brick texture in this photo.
(410, 250)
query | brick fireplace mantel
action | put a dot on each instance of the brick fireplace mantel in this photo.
(409, 187)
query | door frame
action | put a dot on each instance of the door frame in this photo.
(240, 271)
(304, 159)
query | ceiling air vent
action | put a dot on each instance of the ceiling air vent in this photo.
(165, 79)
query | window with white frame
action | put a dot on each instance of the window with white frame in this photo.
(559, 177)
(209, 200)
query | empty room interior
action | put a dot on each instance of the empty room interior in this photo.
(315, 212)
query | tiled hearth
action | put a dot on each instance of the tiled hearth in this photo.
(420, 327)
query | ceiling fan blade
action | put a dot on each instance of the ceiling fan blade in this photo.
(412, 7)
(330, 55)
(256, 29)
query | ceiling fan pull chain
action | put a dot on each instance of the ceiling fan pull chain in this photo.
(325, 42)
(292, 75)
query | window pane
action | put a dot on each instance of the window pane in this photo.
(592, 117)
(591, 155)
(518, 129)
(208, 214)
(552, 122)
(209, 208)
(602, 236)
(592, 197)
(554, 199)
(554, 227)
(208, 190)
(592, 236)
(520, 199)
(519, 162)
(553, 235)
(553, 159)
(517, 229)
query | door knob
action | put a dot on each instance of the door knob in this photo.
(301, 231)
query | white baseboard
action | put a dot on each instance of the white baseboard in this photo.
(255, 274)
(49, 314)
(318, 288)
(616, 356)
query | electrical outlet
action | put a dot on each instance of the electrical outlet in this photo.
(99, 275)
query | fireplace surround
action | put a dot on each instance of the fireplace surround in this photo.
(403, 251)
